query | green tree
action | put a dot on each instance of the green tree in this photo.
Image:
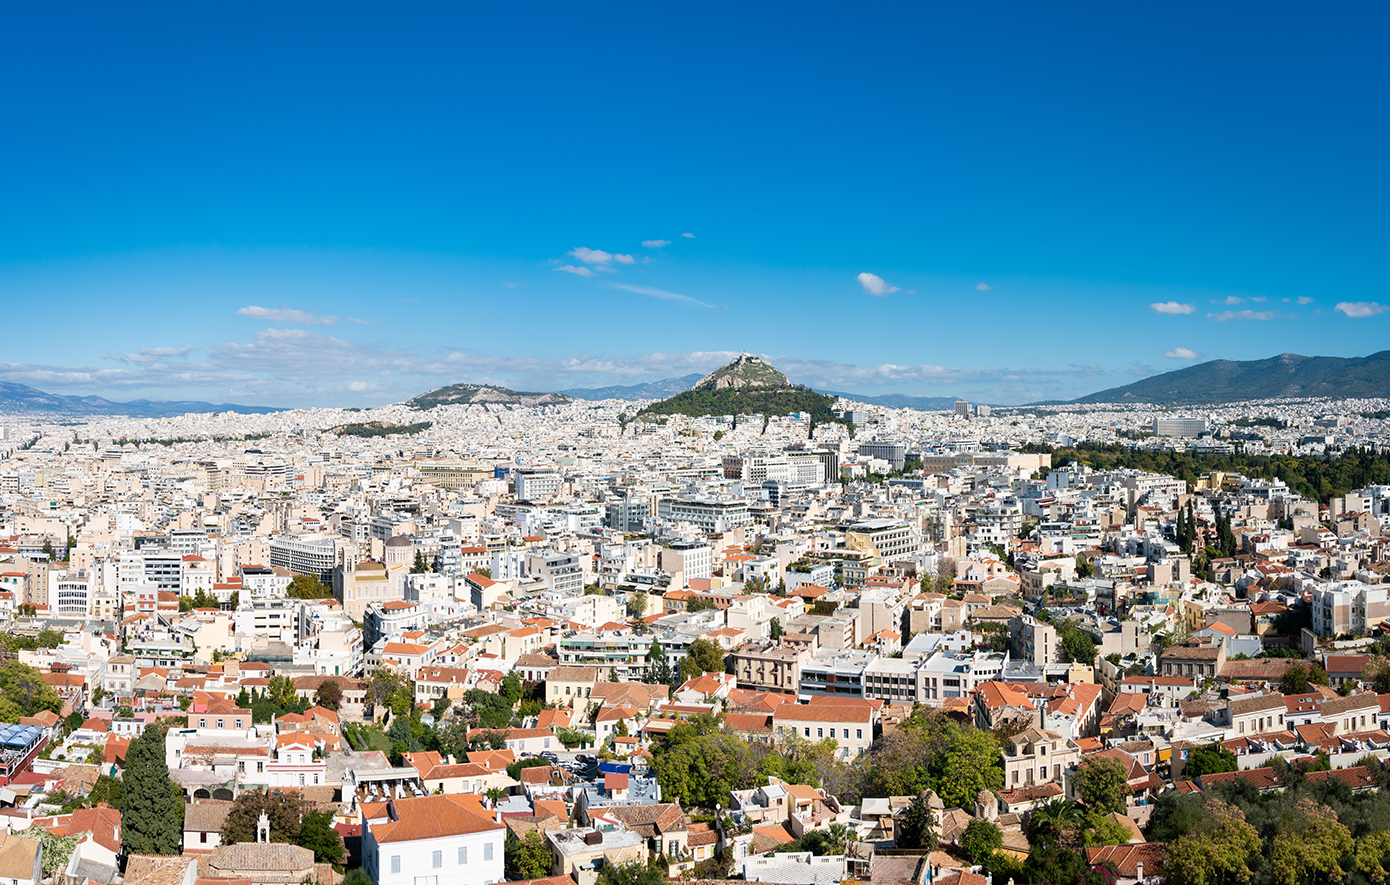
(637, 604)
(660, 667)
(1102, 829)
(285, 811)
(329, 695)
(317, 834)
(24, 688)
(1103, 785)
(1211, 759)
(1308, 848)
(1052, 819)
(152, 811)
(107, 789)
(1216, 853)
(511, 687)
(969, 763)
(1370, 855)
(704, 657)
(703, 769)
(421, 566)
(632, 873)
(281, 692)
(307, 587)
(1299, 677)
(981, 839)
(185, 603)
(528, 857)
(774, 630)
(57, 851)
(917, 830)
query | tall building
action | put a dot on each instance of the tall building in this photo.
(1187, 428)
(962, 408)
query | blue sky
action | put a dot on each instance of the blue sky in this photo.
(342, 204)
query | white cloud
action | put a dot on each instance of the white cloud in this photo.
(1172, 307)
(1227, 315)
(577, 271)
(655, 244)
(982, 287)
(148, 356)
(1183, 353)
(1142, 370)
(875, 285)
(1360, 309)
(688, 236)
(1230, 299)
(1258, 298)
(288, 315)
(360, 322)
(624, 259)
(659, 293)
(1304, 299)
(590, 256)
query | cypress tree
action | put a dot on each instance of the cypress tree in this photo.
(1180, 532)
(152, 817)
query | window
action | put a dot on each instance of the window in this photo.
(437, 860)
(487, 851)
(820, 732)
(859, 734)
(463, 854)
(221, 723)
(808, 731)
(395, 863)
(846, 731)
(203, 837)
(547, 743)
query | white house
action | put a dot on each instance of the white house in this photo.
(432, 840)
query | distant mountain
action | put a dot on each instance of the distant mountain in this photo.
(1286, 375)
(651, 390)
(478, 394)
(20, 398)
(746, 386)
(901, 401)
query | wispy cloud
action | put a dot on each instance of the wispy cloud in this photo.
(1228, 315)
(1258, 299)
(662, 294)
(1142, 370)
(148, 356)
(590, 256)
(1183, 353)
(1304, 299)
(875, 285)
(288, 315)
(360, 322)
(1359, 309)
(655, 244)
(1172, 307)
(982, 287)
(1230, 299)
(688, 236)
(578, 271)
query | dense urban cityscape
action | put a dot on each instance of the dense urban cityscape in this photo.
(588, 639)
(628, 444)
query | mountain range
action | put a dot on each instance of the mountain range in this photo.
(1230, 381)
(651, 390)
(24, 399)
(484, 394)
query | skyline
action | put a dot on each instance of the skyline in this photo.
(351, 209)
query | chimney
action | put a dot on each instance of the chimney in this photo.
(1139, 871)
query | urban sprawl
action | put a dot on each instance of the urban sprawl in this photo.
(574, 644)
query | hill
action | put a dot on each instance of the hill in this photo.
(651, 390)
(22, 399)
(478, 394)
(1286, 375)
(744, 373)
(747, 386)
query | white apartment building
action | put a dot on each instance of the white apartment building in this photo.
(536, 483)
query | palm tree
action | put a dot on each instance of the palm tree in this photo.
(495, 794)
(839, 839)
(1050, 820)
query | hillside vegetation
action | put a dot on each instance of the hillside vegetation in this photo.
(1286, 375)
